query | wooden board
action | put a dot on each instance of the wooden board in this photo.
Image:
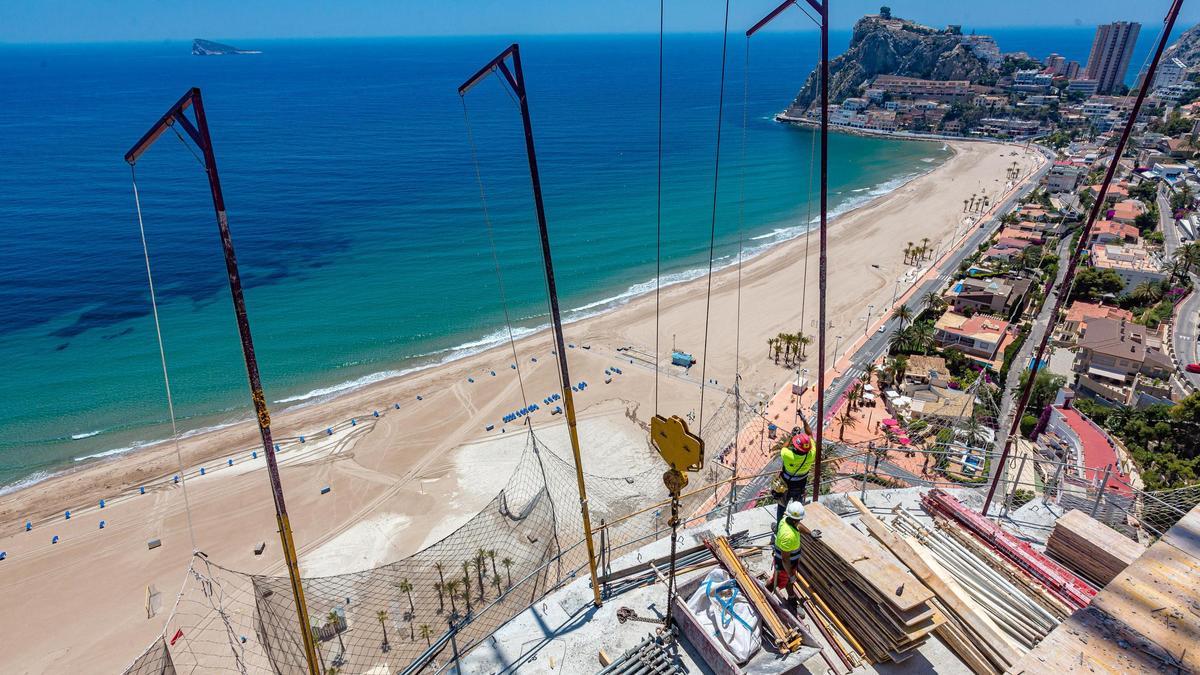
(1091, 548)
(889, 611)
(1147, 619)
(978, 633)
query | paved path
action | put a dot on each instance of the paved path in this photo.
(1185, 331)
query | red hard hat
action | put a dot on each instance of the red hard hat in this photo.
(802, 442)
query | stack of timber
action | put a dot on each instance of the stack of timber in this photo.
(889, 612)
(1146, 620)
(968, 631)
(1060, 582)
(1091, 548)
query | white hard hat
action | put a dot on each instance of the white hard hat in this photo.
(795, 511)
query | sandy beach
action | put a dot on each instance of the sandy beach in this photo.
(406, 478)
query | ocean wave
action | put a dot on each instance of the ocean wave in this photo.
(89, 434)
(115, 451)
(31, 479)
(929, 160)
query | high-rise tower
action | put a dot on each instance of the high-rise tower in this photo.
(1109, 58)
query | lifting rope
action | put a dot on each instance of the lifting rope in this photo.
(162, 355)
(712, 234)
(533, 440)
(658, 208)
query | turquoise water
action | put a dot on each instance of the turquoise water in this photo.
(355, 213)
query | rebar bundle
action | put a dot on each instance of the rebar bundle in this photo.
(649, 657)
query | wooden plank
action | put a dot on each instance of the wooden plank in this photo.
(1147, 619)
(975, 623)
(1091, 548)
(874, 564)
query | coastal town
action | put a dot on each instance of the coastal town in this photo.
(954, 429)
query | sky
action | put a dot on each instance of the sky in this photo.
(41, 21)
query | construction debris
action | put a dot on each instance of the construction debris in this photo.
(889, 612)
(1058, 580)
(1091, 548)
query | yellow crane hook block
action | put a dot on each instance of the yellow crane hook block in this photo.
(680, 448)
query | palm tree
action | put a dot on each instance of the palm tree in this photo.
(438, 566)
(508, 563)
(1188, 257)
(466, 568)
(848, 421)
(496, 583)
(900, 340)
(452, 591)
(804, 341)
(965, 202)
(904, 314)
(383, 617)
(492, 557)
(427, 633)
(868, 371)
(405, 586)
(923, 337)
(974, 430)
(933, 301)
(770, 346)
(438, 586)
(898, 365)
(478, 564)
(1147, 292)
(336, 620)
(924, 245)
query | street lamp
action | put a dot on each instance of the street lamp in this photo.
(895, 292)
(836, 346)
(867, 321)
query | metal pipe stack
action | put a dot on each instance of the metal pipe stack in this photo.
(1008, 606)
(649, 657)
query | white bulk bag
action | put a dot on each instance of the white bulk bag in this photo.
(723, 611)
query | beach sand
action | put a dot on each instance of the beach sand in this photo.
(407, 478)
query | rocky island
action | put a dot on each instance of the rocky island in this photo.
(210, 48)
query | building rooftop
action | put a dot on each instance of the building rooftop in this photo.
(1132, 257)
(980, 326)
(1112, 227)
(1081, 312)
(1118, 338)
(1127, 209)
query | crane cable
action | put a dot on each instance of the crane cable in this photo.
(712, 236)
(658, 208)
(162, 355)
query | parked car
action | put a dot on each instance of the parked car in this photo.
(1193, 367)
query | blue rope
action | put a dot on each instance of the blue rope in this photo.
(727, 613)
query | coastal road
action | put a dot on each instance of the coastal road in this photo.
(1185, 332)
(877, 343)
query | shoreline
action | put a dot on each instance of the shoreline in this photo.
(389, 487)
(422, 363)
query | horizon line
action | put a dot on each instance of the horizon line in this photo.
(450, 36)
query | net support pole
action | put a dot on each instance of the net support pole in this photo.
(199, 134)
(1080, 247)
(819, 427)
(822, 9)
(515, 77)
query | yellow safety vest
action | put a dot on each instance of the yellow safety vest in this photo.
(787, 540)
(796, 465)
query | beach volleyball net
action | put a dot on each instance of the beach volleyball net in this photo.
(413, 613)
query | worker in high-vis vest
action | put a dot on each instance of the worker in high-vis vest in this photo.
(787, 548)
(797, 457)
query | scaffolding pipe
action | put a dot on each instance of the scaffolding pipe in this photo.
(516, 80)
(200, 136)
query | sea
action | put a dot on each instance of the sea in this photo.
(352, 194)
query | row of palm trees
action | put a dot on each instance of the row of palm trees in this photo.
(914, 254)
(1014, 171)
(453, 589)
(976, 203)
(791, 345)
(1184, 261)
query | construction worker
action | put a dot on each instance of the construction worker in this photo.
(787, 549)
(797, 457)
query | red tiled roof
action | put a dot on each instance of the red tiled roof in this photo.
(1098, 452)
